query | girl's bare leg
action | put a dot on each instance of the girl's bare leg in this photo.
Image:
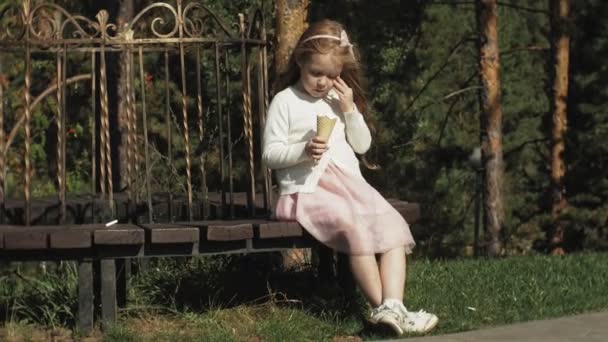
(366, 274)
(392, 273)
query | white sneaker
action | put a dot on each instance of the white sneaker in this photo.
(417, 322)
(402, 321)
(388, 315)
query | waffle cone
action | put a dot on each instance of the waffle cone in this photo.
(324, 126)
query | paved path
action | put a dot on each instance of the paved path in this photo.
(592, 327)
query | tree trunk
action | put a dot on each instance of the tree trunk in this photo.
(291, 21)
(491, 123)
(560, 12)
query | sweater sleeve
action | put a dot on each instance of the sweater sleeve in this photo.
(357, 132)
(277, 152)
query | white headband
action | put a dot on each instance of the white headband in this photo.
(344, 42)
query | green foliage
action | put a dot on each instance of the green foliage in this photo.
(43, 128)
(44, 298)
(587, 177)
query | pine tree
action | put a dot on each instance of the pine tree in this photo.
(291, 20)
(586, 155)
(491, 122)
(560, 12)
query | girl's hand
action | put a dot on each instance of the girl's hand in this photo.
(315, 148)
(345, 93)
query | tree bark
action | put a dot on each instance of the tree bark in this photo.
(291, 21)
(560, 45)
(491, 123)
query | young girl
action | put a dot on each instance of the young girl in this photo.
(320, 181)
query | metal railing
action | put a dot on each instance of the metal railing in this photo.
(180, 42)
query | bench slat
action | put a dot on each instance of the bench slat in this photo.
(225, 230)
(24, 238)
(75, 236)
(278, 229)
(170, 233)
(409, 211)
(234, 232)
(118, 234)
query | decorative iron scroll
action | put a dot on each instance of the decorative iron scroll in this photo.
(51, 25)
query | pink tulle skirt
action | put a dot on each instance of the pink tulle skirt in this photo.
(347, 214)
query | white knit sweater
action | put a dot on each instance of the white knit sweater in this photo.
(291, 123)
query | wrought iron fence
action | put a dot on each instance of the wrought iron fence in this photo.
(184, 68)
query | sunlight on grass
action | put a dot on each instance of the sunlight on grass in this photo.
(470, 294)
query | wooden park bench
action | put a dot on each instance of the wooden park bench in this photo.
(87, 243)
(225, 214)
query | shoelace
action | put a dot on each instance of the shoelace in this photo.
(419, 313)
(410, 317)
(377, 310)
(403, 315)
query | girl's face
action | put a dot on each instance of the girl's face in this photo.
(317, 75)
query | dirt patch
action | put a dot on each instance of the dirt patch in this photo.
(19, 333)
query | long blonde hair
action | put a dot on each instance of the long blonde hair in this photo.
(352, 72)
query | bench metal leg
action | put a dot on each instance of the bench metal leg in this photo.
(108, 292)
(85, 296)
(325, 263)
(345, 275)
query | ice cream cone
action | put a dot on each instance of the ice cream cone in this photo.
(324, 126)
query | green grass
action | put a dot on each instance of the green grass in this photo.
(466, 294)
(29, 295)
(470, 294)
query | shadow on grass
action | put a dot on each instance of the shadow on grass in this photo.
(202, 285)
(222, 282)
